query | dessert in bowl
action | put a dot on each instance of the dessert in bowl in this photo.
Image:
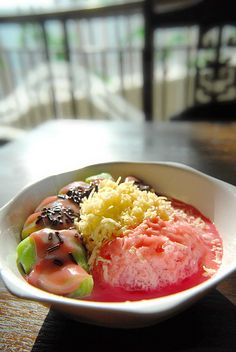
(129, 274)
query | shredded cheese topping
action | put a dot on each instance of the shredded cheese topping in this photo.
(116, 208)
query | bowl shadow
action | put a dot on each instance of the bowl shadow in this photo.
(208, 325)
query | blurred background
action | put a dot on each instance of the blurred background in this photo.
(112, 59)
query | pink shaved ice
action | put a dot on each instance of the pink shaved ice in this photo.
(152, 256)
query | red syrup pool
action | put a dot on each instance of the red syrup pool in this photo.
(111, 276)
(106, 293)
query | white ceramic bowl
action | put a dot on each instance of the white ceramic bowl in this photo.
(214, 198)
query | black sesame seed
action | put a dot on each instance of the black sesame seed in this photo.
(22, 267)
(39, 219)
(58, 262)
(59, 237)
(53, 248)
(72, 257)
(50, 235)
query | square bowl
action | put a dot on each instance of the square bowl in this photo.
(214, 198)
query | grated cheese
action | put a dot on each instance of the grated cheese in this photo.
(208, 272)
(116, 208)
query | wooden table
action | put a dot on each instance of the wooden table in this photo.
(68, 144)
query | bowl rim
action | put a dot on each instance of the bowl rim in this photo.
(173, 164)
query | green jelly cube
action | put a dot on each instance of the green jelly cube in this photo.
(103, 175)
(26, 254)
(85, 288)
(80, 256)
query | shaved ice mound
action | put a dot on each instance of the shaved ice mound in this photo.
(154, 255)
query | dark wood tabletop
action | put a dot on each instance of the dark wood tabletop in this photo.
(63, 145)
